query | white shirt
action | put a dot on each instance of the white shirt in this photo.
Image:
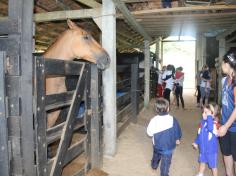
(159, 124)
(170, 81)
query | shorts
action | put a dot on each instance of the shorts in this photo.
(228, 144)
(205, 92)
(210, 159)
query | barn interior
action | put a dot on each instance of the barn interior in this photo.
(130, 30)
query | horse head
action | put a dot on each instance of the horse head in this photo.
(85, 47)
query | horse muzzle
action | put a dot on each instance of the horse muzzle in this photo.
(103, 61)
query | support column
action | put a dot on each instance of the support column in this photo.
(161, 52)
(157, 52)
(222, 51)
(147, 73)
(109, 77)
(201, 50)
(203, 45)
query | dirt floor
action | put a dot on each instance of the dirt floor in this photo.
(134, 147)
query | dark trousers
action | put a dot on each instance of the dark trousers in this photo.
(166, 3)
(165, 162)
(166, 94)
(179, 95)
(199, 95)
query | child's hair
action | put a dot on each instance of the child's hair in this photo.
(205, 67)
(215, 110)
(179, 69)
(162, 105)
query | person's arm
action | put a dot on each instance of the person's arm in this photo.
(224, 128)
(196, 142)
(166, 77)
(178, 132)
(210, 123)
(181, 79)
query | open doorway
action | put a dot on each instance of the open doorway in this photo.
(180, 51)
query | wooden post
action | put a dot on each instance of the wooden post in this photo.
(199, 51)
(27, 87)
(203, 50)
(161, 54)
(109, 77)
(134, 90)
(4, 160)
(222, 51)
(147, 73)
(96, 131)
(157, 52)
(19, 88)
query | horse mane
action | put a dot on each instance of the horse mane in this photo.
(57, 40)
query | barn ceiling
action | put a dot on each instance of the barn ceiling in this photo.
(185, 18)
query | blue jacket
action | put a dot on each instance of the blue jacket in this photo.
(164, 130)
(207, 136)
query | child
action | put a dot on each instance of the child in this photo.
(166, 133)
(205, 86)
(206, 141)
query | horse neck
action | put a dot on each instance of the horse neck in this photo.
(60, 49)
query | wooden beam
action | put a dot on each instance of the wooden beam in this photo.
(227, 32)
(231, 39)
(231, 44)
(132, 1)
(131, 20)
(147, 73)
(174, 21)
(182, 16)
(63, 15)
(184, 9)
(90, 3)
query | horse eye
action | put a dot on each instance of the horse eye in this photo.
(86, 37)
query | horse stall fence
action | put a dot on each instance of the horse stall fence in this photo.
(16, 100)
(77, 135)
(25, 142)
(68, 148)
(153, 82)
(127, 90)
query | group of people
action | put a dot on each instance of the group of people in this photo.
(216, 124)
(171, 80)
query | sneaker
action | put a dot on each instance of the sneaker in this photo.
(199, 175)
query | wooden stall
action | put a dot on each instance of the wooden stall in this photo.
(128, 89)
(26, 142)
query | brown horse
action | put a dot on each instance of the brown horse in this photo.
(73, 43)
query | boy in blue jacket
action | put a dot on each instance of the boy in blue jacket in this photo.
(207, 142)
(166, 133)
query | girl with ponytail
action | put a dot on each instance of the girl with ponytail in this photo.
(227, 131)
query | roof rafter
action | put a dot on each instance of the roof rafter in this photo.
(130, 19)
(90, 3)
(63, 15)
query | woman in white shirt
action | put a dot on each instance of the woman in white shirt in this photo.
(168, 78)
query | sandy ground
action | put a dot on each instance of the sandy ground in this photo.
(134, 147)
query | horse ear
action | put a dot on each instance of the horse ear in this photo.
(71, 24)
